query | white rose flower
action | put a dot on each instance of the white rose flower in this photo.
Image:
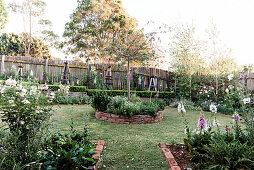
(23, 93)
(11, 101)
(213, 108)
(246, 100)
(2, 90)
(230, 76)
(25, 101)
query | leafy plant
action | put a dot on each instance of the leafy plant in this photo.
(68, 151)
(100, 101)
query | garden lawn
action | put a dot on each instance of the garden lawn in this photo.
(131, 146)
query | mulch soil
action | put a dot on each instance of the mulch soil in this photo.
(181, 156)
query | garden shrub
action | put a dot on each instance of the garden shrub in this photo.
(26, 111)
(121, 106)
(72, 88)
(217, 150)
(100, 101)
(68, 151)
(149, 108)
(146, 94)
(63, 98)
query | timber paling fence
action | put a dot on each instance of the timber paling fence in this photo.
(93, 75)
(90, 75)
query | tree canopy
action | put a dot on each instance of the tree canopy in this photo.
(3, 15)
(93, 25)
(186, 50)
(13, 45)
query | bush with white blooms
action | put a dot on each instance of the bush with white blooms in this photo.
(24, 109)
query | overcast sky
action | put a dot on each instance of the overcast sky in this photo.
(234, 18)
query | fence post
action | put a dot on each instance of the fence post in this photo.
(2, 65)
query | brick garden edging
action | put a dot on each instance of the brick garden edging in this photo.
(169, 156)
(98, 148)
(136, 119)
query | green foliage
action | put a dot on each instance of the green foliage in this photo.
(134, 98)
(217, 150)
(121, 106)
(14, 45)
(72, 88)
(25, 111)
(3, 15)
(146, 94)
(64, 98)
(100, 101)
(65, 151)
(89, 36)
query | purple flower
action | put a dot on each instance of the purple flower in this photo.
(236, 118)
(1, 148)
(145, 82)
(72, 83)
(241, 76)
(157, 94)
(50, 90)
(41, 77)
(139, 80)
(131, 78)
(201, 122)
(227, 129)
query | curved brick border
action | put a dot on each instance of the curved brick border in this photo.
(98, 148)
(136, 119)
(169, 156)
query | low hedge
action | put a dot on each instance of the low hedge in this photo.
(72, 88)
(91, 92)
(146, 94)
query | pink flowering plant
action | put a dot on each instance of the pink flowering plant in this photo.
(24, 109)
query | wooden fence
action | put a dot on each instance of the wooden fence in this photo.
(91, 75)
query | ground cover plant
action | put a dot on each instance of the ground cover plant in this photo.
(131, 146)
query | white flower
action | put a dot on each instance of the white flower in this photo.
(33, 90)
(185, 131)
(227, 90)
(22, 122)
(230, 76)
(31, 73)
(23, 93)
(11, 101)
(246, 100)
(10, 82)
(2, 90)
(25, 101)
(213, 108)
(181, 108)
(66, 89)
(61, 87)
(215, 123)
(45, 86)
(52, 95)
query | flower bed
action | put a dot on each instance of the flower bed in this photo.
(98, 148)
(176, 156)
(136, 119)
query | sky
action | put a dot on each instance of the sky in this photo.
(233, 18)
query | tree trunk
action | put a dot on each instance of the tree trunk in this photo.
(128, 80)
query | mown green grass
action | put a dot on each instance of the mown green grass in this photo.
(131, 146)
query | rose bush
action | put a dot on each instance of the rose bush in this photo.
(24, 109)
